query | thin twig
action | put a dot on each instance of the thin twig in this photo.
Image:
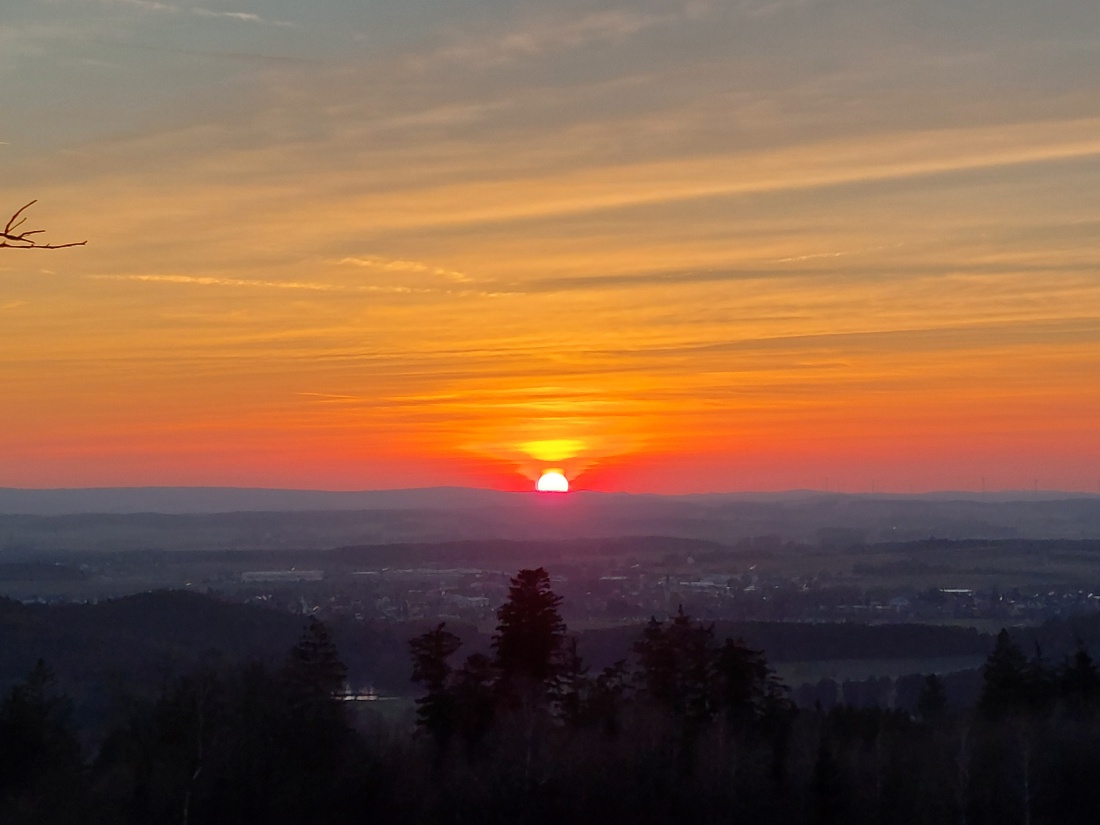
(23, 240)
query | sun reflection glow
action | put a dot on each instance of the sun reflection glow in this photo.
(555, 449)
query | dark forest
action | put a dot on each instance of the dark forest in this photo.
(688, 726)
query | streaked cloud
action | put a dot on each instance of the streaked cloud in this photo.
(310, 286)
(557, 33)
(416, 267)
(198, 11)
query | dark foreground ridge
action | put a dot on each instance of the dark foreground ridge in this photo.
(191, 710)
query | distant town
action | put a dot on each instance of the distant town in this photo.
(635, 594)
(620, 587)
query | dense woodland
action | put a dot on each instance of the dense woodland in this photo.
(689, 726)
(135, 642)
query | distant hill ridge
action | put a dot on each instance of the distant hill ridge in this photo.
(36, 521)
(187, 500)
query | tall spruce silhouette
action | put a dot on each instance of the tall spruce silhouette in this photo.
(530, 636)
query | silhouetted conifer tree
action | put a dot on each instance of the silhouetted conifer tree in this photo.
(41, 772)
(475, 699)
(1004, 678)
(676, 666)
(436, 709)
(530, 634)
(932, 701)
(829, 794)
(745, 687)
(314, 673)
(572, 688)
(1079, 682)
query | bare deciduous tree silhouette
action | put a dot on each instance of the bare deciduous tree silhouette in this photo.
(14, 239)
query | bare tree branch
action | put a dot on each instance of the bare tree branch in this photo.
(23, 240)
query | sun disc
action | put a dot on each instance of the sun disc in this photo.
(552, 481)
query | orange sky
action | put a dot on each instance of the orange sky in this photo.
(664, 246)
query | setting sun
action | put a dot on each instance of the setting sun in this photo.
(552, 481)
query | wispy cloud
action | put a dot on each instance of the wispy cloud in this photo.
(198, 11)
(416, 267)
(330, 398)
(563, 33)
(812, 256)
(232, 15)
(308, 286)
(148, 5)
(873, 160)
(768, 8)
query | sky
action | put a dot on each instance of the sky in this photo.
(662, 246)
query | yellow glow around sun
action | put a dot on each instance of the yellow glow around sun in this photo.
(556, 449)
(552, 481)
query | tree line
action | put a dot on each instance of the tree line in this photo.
(688, 728)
